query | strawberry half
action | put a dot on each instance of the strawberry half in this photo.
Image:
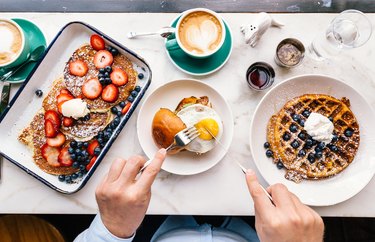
(97, 42)
(103, 58)
(78, 68)
(126, 108)
(51, 154)
(64, 97)
(119, 77)
(89, 165)
(65, 91)
(64, 157)
(50, 128)
(91, 148)
(57, 141)
(54, 117)
(92, 88)
(67, 122)
(110, 93)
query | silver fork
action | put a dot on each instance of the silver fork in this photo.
(181, 139)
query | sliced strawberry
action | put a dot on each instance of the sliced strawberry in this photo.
(92, 88)
(110, 93)
(64, 97)
(59, 107)
(78, 68)
(53, 116)
(97, 42)
(50, 129)
(64, 157)
(57, 141)
(103, 58)
(67, 122)
(65, 91)
(91, 148)
(119, 77)
(51, 154)
(92, 161)
(126, 108)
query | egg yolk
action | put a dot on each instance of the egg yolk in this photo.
(207, 124)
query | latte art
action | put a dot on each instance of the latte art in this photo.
(200, 33)
(10, 42)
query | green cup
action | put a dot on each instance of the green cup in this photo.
(14, 45)
(174, 42)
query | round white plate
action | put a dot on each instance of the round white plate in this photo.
(328, 191)
(168, 96)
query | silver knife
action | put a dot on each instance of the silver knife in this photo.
(238, 163)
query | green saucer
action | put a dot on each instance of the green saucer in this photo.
(201, 67)
(36, 38)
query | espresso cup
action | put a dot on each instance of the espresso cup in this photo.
(200, 33)
(14, 46)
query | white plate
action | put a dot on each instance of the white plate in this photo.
(168, 96)
(328, 191)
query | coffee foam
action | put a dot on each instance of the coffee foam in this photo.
(10, 42)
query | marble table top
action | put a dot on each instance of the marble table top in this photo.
(222, 189)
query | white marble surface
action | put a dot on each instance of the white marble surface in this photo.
(222, 189)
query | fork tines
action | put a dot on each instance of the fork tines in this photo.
(191, 132)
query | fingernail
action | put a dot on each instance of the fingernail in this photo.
(250, 172)
(162, 151)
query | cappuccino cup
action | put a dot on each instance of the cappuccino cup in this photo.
(200, 33)
(14, 47)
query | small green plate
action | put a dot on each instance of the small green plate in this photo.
(36, 38)
(201, 67)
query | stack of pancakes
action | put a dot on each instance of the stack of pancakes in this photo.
(332, 161)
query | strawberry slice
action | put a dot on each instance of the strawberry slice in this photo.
(67, 122)
(59, 107)
(103, 58)
(91, 148)
(64, 91)
(92, 161)
(54, 117)
(78, 68)
(51, 154)
(119, 77)
(64, 97)
(50, 128)
(64, 157)
(110, 93)
(97, 42)
(92, 88)
(126, 108)
(57, 141)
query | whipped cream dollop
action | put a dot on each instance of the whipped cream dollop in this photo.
(75, 108)
(319, 127)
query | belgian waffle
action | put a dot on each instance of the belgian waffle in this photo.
(333, 157)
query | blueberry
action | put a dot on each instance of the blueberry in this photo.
(78, 152)
(107, 80)
(295, 144)
(335, 138)
(80, 158)
(119, 114)
(74, 176)
(79, 144)
(302, 123)
(97, 151)
(311, 158)
(71, 150)
(137, 89)
(293, 128)
(302, 136)
(100, 140)
(321, 145)
(107, 135)
(296, 117)
(108, 69)
(75, 165)
(141, 76)
(85, 144)
(286, 136)
(314, 142)
(114, 110)
(116, 121)
(73, 156)
(279, 165)
(318, 155)
(100, 76)
(87, 117)
(309, 142)
(73, 144)
(134, 93)
(101, 70)
(85, 154)
(61, 178)
(348, 132)
(109, 131)
(301, 153)
(334, 148)
(85, 163)
(266, 145)
(130, 99)
(114, 51)
(109, 48)
(330, 119)
(102, 81)
(306, 113)
(68, 179)
(269, 153)
(39, 93)
(318, 149)
(82, 167)
(345, 139)
(100, 134)
(80, 174)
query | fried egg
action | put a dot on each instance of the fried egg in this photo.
(203, 118)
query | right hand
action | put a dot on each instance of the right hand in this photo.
(285, 220)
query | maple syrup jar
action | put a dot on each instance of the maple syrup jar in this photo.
(260, 76)
(289, 53)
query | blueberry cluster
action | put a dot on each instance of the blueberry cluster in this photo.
(104, 75)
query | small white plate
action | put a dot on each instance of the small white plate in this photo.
(168, 96)
(328, 191)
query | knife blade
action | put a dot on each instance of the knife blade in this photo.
(5, 93)
(238, 163)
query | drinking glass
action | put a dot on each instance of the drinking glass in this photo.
(350, 29)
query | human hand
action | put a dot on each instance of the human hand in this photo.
(286, 219)
(123, 199)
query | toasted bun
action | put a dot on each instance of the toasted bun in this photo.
(165, 126)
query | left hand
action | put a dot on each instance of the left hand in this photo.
(123, 200)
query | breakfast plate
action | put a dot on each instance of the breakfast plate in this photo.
(21, 122)
(168, 96)
(328, 191)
